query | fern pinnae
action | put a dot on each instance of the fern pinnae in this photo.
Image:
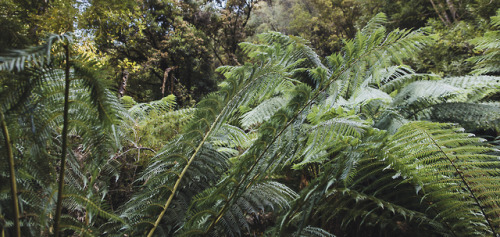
(464, 181)
(442, 180)
(37, 56)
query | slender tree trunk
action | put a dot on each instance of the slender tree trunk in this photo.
(172, 84)
(440, 14)
(64, 145)
(443, 12)
(453, 10)
(13, 187)
(123, 83)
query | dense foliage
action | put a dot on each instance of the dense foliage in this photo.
(155, 119)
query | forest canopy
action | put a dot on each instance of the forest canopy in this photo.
(249, 118)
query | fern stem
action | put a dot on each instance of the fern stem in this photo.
(13, 186)
(64, 144)
(191, 159)
(177, 183)
(459, 172)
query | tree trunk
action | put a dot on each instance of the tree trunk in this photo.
(64, 145)
(13, 187)
(165, 78)
(453, 10)
(441, 13)
(123, 83)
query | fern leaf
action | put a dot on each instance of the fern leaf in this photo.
(470, 116)
(35, 56)
(448, 173)
(263, 111)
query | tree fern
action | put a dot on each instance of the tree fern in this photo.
(434, 100)
(40, 119)
(440, 174)
(244, 85)
(347, 69)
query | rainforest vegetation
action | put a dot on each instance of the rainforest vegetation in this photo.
(249, 118)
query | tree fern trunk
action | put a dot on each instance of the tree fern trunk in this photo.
(64, 145)
(13, 187)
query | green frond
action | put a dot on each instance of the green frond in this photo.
(375, 23)
(488, 62)
(426, 90)
(328, 137)
(454, 175)
(364, 58)
(69, 223)
(91, 206)
(263, 111)
(300, 46)
(398, 77)
(261, 198)
(36, 56)
(476, 88)
(466, 82)
(140, 111)
(36, 102)
(310, 231)
(230, 137)
(243, 86)
(360, 57)
(471, 116)
(445, 182)
(366, 95)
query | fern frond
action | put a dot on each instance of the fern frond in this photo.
(310, 231)
(490, 45)
(140, 111)
(260, 198)
(476, 88)
(244, 84)
(360, 57)
(470, 116)
(92, 206)
(425, 90)
(375, 23)
(263, 111)
(329, 137)
(456, 177)
(36, 56)
(230, 136)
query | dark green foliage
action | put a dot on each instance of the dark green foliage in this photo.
(354, 144)
(472, 117)
(489, 61)
(37, 107)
